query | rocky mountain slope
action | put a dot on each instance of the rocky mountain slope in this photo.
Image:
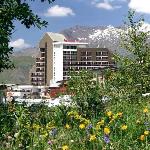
(108, 37)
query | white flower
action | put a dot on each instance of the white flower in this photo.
(16, 135)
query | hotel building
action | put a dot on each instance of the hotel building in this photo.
(58, 56)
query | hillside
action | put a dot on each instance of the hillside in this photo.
(20, 74)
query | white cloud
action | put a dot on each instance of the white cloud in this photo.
(142, 6)
(19, 44)
(105, 5)
(59, 11)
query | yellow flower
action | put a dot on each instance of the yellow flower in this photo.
(67, 126)
(101, 122)
(86, 121)
(146, 132)
(78, 117)
(145, 110)
(82, 126)
(124, 127)
(142, 137)
(97, 127)
(109, 113)
(115, 116)
(106, 130)
(65, 147)
(111, 120)
(92, 137)
(120, 114)
(138, 121)
(72, 113)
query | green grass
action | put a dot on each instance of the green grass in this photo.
(40, 127)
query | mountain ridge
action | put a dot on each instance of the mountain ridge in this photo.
(96, 36)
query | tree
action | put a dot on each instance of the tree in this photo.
(131, 79)
(86, 93)
(11, 10)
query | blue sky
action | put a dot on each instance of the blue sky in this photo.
(63, 14)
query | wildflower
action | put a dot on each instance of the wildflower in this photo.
(120, 114)
(72, 113)
(53, 132)
(65, 147)
(146, 123)
(50, 142)
(86, 121)
(16, 135)
(106, 139)
(101, 122)
(92, 137)
(8, 145)
(115, 116)
(71, 141)
(111, 120)
(89, 127)
(78, 117)
(36, 126)
(109, 113)
(97, 127)
(82, 126)
(9, 138)
(146, 132)
(124, 127)
(138, 121)
(106, 130)
(67, 126)
(20, 145)
(145, 110)
(142, 137)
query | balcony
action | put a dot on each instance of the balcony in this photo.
(37, 75)
(37, 80)
(39, 65)
(39, 70)
(40, 60)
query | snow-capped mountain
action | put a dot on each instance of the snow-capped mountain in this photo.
(107, 37)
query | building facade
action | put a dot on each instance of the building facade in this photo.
(58, 56)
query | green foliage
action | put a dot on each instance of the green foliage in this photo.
(131, 79)
(40, 127)
(86, 93)
(11, 10)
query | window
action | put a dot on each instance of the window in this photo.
(83, 53)
(98, 58)
(83, 58)
(98, 53)
(57, 45)
(104, 53)
(66, 52)
(105, 63)
(89, 53)
(104, 58)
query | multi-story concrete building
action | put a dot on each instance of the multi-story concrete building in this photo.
(57, 56)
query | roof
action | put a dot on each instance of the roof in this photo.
(56, 37)
(71, 43)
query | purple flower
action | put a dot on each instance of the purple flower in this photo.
(106, 139)
(89, 127)
(146, 123)
(53, 132)
(50, 142)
